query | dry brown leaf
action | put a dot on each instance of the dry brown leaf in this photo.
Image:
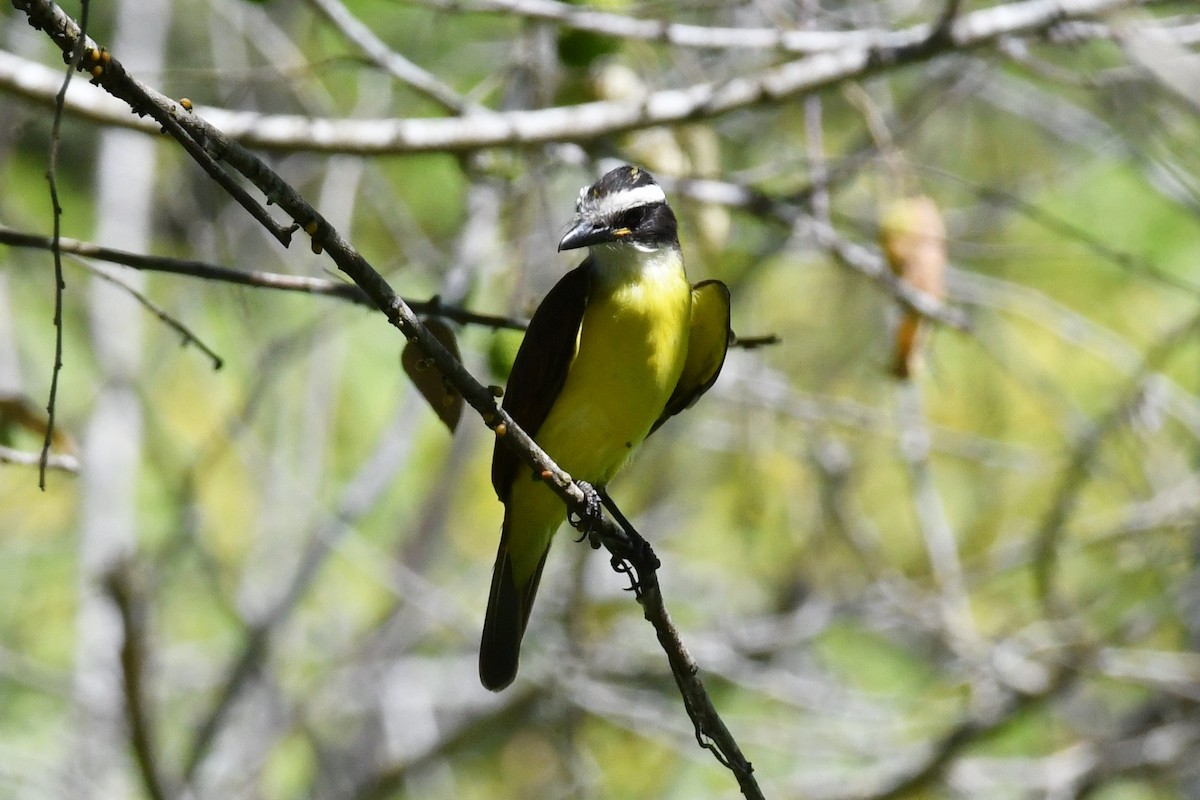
(437, 391)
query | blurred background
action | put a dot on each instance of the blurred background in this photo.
(267, 580)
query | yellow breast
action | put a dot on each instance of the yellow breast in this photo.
(631, 349)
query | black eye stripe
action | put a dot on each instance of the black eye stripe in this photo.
(653, 223)
(632, 218)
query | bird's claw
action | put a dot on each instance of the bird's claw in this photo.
(622, 566)
(587, 519)
(637, 558)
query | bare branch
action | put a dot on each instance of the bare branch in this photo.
(133, 658)
(203, 270)
(63, 462)
(73, 56)
(591, 121)
(184, 331)
(676, 34)
(711, 732)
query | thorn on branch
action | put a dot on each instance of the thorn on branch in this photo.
(755, 342)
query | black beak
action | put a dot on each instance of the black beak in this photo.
(584, 234)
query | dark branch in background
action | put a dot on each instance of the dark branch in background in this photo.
(945, 23)
(119, 585)
(198, 135)
(340, 290)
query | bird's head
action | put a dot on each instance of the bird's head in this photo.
(626, 206)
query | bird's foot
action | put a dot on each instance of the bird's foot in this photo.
(632, 554)
(586, 520)
(640, 564)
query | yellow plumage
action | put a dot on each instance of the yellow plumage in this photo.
(634, 337)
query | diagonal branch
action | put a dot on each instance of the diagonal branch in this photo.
(186, 334)
(389, 60)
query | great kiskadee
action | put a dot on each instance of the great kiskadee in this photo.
(620, 344)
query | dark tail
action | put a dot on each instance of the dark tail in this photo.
(507, 614)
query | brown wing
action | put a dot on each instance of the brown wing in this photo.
(541, 365)
(709, 337)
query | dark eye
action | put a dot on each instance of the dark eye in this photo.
(633, 218)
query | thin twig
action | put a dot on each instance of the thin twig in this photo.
(204, 270)
(199, 153)
(390, 61)
(75, 57)
(188, 336)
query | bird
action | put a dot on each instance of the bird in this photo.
(619, 345)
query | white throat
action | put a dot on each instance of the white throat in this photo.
(623, 261)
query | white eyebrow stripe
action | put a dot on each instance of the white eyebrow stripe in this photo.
(627, 199)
